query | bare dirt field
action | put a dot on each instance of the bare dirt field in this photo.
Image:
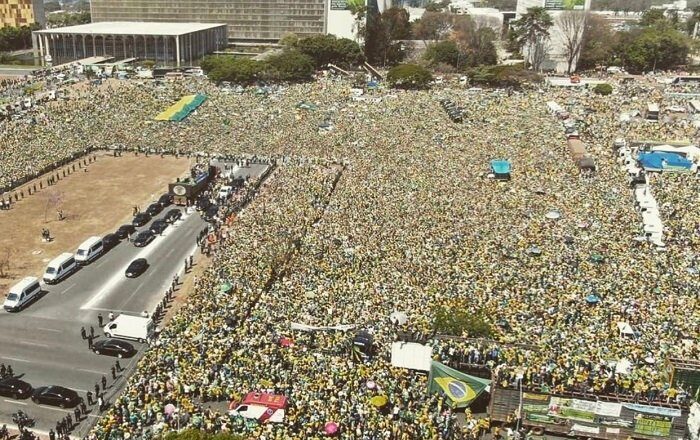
(95, 202)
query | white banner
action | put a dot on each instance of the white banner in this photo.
(586, 429)
(612, 430)
(312, 328)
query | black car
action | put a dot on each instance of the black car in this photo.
(158, 226)
(173, 215)
(143, 238)
(136, 268)
(56, 395)
(141, 219)
(165, 200)
(124, 231)
(154, 209)
(15, 388)
(110, 240)
(114, 347)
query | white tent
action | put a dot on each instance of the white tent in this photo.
(625, 329)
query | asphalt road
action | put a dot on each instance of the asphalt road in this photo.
(43, 342)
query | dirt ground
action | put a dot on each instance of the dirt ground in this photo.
(95, 202)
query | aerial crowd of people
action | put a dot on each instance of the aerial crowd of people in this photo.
(379, 203)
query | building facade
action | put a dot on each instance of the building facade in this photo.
(19, 13)
(173, 44)
(257, 20)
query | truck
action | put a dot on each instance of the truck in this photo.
(263, 407)
(138, 328)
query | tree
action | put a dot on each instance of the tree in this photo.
(289, 40)
(52, 6)
(358, 9)
(598, 42)
(572, 25)
(476, 43)
(532, 32)
(444, 52)
(603, 89)
(235, 69)
(655, 47)
(397, 22)
(290, 65)
(325, 49)
(460, 321)
(409, 76)
(651, 17)
(432, 26)
(382, 32)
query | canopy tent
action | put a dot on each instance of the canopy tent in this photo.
(501, 168)
(664, 161)
(181, 109)
(459, 389)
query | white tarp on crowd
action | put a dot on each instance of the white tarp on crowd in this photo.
(411, 355)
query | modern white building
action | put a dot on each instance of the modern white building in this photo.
(168, 43)
(556, 53)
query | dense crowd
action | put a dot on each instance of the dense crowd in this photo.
(388, 208)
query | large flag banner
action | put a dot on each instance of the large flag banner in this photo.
(459, 388)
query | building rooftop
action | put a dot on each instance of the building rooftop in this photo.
(132, 28)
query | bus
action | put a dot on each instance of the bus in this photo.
(652, 113)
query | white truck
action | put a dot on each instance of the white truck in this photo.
(130, 327)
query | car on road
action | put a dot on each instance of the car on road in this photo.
(15, 388)
(124, 231)
(136, 268)
(110, 240)
(173, 215)
(158, 226)
(56, 395)
(141, 219)
(114, 347)
(154, 209)
(143, 238)
(165, 200)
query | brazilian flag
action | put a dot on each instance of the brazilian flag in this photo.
(459, 388)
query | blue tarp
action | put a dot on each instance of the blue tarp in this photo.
(499, 166)
(659, 161)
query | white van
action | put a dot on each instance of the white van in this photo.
(89, 250)
(225, 191)
(130, 327)
(60, 267)
(22, 294)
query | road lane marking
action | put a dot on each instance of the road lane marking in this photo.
(15, 401)
(34, 344)
(67, 289)
(91, 371)
(15, 359)
(53, 330)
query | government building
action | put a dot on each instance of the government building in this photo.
(19, 13)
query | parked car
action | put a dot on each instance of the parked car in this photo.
(141, 219)
(158, 226)
(173, 215)
(143, 238)
(165, 200)
(136, 268)
(114, 347)
(15, 388)
(154, 209)
(124, 231)
(56, 395)
(110, 240)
